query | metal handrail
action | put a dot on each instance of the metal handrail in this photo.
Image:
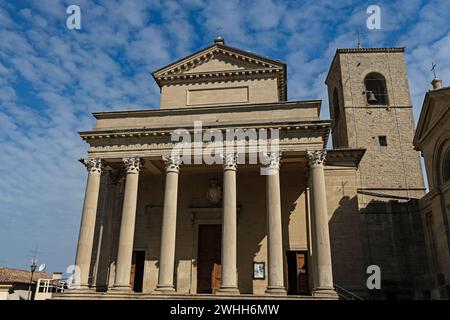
(346, 294)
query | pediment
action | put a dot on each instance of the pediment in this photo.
(218, 58)
(436, 104)
(435, 111)
(423, 123)
(219, 63)
(429, 116)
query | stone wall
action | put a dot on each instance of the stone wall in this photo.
(345, 229)
(389, 179)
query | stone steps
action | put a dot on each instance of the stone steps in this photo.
(89, 295)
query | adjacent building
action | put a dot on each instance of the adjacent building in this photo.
(432, 138)
(17, 284)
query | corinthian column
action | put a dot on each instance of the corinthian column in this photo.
(86, 236)
(229, 227)
(169, 225)
(274, 230)
(321, 235)
(126, 237)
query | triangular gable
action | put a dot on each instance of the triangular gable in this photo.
(219, 61)
(422, 120)
(432, 111)
(235, 58)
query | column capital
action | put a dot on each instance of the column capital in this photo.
(316, 157)
(272, 160)
(172, 163)
(133, 164)
(229, 161)
(93, 165)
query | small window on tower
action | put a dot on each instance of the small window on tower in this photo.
(382, 141)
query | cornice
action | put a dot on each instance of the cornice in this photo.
(363, 50)
(344, 157)
(209, 109)
(215, 75)
(322, 126)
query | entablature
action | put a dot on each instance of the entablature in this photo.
(293, 136)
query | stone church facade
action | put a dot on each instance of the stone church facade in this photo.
(154, 224)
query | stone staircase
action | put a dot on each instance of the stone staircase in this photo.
(92, 295)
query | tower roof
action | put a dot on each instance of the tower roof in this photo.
(362, 50)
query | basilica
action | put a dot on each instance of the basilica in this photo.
(284, 216)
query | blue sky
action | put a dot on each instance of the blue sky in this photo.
(52, 78)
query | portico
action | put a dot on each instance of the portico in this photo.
(138, 169)
(229, 281)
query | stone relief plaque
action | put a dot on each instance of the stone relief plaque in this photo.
(214, 192)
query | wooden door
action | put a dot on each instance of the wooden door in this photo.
(208, 258)
(297, 265)
(216, 276)
(132, 273)
(302, 273)
(137, 271)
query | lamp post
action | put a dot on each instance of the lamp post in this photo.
(33, 269)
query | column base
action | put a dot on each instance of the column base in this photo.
(273, 290)
(325, 293)
(82, 288)
(100, 288)
(122, 288)
(228, 290)
(165, 288)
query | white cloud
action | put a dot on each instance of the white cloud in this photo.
(266, 14)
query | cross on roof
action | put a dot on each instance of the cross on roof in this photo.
(358, 35)
(219, 30)
(433, 68)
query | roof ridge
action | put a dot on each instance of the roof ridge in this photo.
(379, 49)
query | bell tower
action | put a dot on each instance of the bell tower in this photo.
(370, 107)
